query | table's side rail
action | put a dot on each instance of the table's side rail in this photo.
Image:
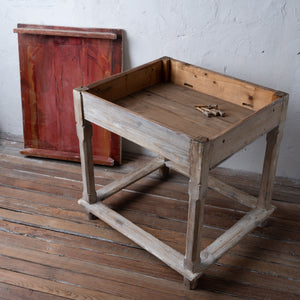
(246, 131)
(154, 137)
(128, 82)
(233, 90)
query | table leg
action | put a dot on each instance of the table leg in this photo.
(85, 132)
(269, 168)
(199, 167)
(164, 172)
(274, 138)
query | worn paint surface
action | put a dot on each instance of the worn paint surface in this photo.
(51, 67)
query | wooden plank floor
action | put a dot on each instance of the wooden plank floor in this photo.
(49, 250)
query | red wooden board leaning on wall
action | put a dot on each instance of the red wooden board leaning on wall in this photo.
(53, 61)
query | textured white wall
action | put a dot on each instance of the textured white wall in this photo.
(255, 40)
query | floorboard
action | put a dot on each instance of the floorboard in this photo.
(50, 250)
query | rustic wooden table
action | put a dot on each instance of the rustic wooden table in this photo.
(154, 106)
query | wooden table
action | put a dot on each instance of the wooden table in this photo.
(154, 106)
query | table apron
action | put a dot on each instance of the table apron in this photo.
(161, 140)
(236, 138)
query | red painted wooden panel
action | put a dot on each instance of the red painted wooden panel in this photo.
(52, 64)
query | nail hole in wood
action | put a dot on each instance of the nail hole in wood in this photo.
(223, 141)
(247, 104)
(214, 82)
(250, 97)
(187, 84)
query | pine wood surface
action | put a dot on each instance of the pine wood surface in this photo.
(49, 250)
(173, 106)
(155, 104)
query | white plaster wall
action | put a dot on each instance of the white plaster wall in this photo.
(255, 40)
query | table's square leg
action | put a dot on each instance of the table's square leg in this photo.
(199, 168)
(84, 132)
(269, 169)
